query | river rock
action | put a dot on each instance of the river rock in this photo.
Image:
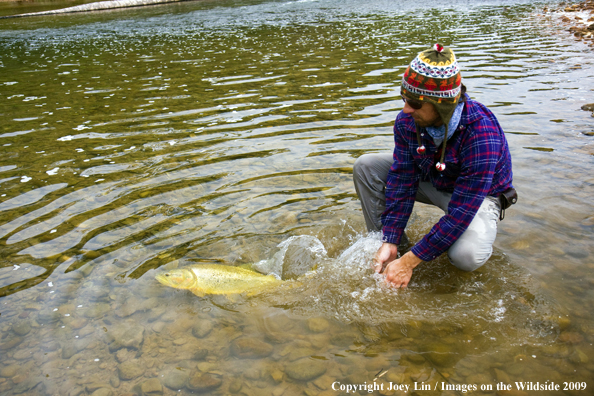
(68, 351)
(102, 392)
(200, 354)
(93, 386)
(26, 386)
(47, 317)
(235, 385)
(441, 354)
(588, 107)
(22, 327)
(317, 325)
(130, 369)
(125, 354)
(176, 379)
(78, 323)
(202, 382)
(502, 376)
(202, 328)
(571, 337)
(97, 310)
(250, 348)
(126, 309)
(11, 343)
(125, 335)
(305, 369)
(151, 387)
(9, 371)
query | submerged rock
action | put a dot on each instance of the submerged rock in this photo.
(176, 379)
(130, 369)
(22, 327)
(204, 381)
(125, 335)
(151, 387)
(251, 348)
(317, 325)
(202, 328)
(305, 369)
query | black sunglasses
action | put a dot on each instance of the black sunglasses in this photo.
(415, 104)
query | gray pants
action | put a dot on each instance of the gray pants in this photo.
(469, 252)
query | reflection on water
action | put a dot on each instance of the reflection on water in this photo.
(225, 132)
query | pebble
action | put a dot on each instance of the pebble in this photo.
(250, 348)
(9, 371)
(78, 323)
(151, 387)
(235, 385)
(11, 343)
(202, 382)
(200, 354)
(68, 351)
(93, 386)
(125, 335)
(127, 309)
(130, 369)
(22, 327)
(102, 392)
(48, 317)
(97, 310)
(202, 328)
(342, 340)
(22, 354)
(571, 337)
(305, 369)
(176, 379)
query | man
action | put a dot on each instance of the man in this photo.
(449, 152)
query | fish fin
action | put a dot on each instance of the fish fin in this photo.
(197, 292)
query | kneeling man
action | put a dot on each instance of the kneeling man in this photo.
(450, 152)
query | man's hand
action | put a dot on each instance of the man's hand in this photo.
(399, 271)
(385, 254)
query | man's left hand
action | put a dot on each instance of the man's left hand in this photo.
(399, 271)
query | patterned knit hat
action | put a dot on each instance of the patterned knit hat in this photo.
(434, 77)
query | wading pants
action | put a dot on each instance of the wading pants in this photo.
(469, 252)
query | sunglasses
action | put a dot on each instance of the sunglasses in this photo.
(415, 104)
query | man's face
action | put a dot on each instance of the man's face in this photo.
(425, 116)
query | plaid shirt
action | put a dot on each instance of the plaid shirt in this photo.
(478, 163)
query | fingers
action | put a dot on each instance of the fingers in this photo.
(396, 276)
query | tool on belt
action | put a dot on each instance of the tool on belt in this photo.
(507, 199)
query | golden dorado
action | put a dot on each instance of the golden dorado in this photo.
(217, 279)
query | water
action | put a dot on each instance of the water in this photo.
(143, 139)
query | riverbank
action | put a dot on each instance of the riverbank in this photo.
(576, 18)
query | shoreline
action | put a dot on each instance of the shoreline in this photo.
(575, 18)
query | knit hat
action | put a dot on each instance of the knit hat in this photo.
(434, 77)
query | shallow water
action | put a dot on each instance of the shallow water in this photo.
(138, 140)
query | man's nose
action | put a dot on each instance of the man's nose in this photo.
(407, 109)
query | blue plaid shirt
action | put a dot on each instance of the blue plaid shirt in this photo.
(478, 164)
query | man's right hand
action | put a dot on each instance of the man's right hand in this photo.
(385, 255)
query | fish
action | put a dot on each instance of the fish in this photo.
(217, 279)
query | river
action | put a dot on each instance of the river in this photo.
(138, 140)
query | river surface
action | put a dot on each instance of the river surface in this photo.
(139, 140)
